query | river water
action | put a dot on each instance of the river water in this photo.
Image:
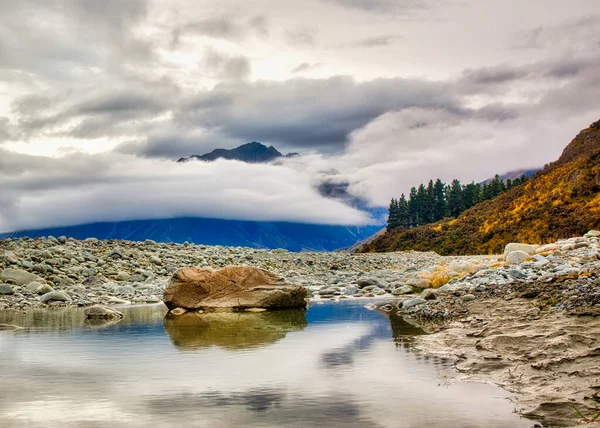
(335, 365)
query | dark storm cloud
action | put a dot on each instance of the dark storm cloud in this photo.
(174, 144)
(494, 75)
(308, 112)
(498, 79)
(69, 28)
(295, 114)
(92, 112)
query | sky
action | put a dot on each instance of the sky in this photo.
(97, 100)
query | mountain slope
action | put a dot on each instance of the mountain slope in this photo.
(291, 236)
(251, 153)
(562, 200)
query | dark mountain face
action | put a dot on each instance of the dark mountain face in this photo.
(251, 153)
(291, 236)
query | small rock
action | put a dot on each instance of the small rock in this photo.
(152, 299)
(526, 248)
(178, 311)
(429, 294)
(123, 276)
(124, 289)
(405, 289)
(517, 274)
(467, 298)
(592, 234)
(407, 304)
(155, 260)
(253, 310)
(17, 277)
(6, 289)
(56, 296)
(517, 257)
(419, 283)
(44, 289)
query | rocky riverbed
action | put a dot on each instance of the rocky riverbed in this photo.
(526, 319)
(59, 271)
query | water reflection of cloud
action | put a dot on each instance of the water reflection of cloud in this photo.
(264, 407)
(344, 356)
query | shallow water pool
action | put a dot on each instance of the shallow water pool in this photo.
(335, 365)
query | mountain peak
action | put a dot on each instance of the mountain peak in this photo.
(585, 144)
(253, 152)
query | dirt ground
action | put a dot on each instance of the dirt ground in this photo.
(549, 361)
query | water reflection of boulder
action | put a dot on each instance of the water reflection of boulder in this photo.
(233, 330)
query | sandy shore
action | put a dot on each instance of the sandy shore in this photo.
(550, 362)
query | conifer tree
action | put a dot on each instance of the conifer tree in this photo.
(393, 215)
(429, 214)
(413, 210)
(454, 197)
(421, 205)
(439, 201)
(403, 217)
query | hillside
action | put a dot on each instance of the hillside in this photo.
(291, 236)
(561, 201)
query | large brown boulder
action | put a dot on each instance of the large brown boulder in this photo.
(235, 287)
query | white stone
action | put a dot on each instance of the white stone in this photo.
(529, 249)
(516, 257)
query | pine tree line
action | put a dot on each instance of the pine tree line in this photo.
(437, 200)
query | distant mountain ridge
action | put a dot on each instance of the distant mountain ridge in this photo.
(511, 175)
(270, 235)
(560, 201)
(253, 152)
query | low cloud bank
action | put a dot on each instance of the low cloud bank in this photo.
(38, 192)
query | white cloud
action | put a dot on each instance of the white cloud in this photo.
(75, 189)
